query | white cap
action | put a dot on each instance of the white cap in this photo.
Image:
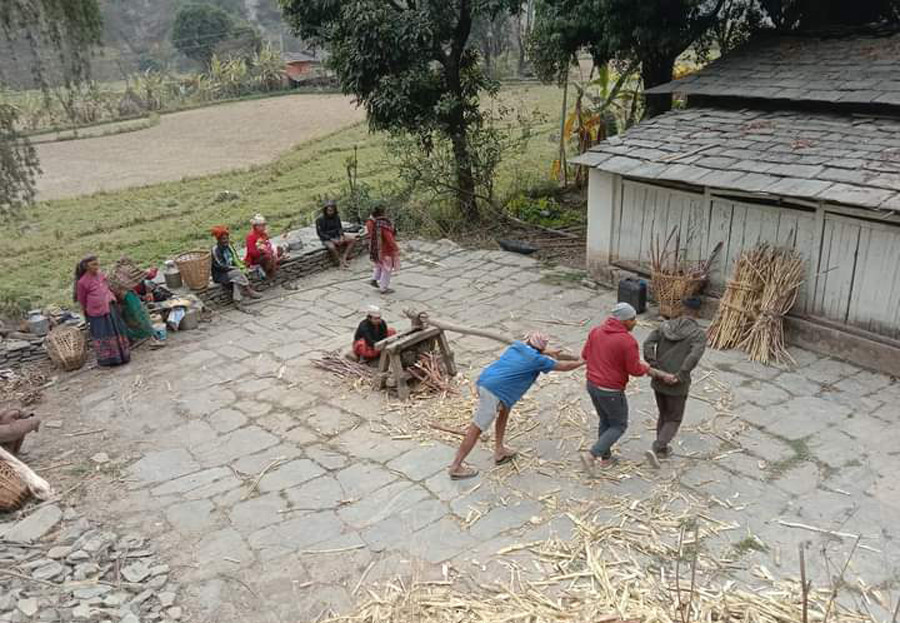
(374, 311)
(623, 312)
(258, 219)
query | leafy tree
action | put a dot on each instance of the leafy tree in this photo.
(412, 65)
(199, 29)
(806, 14)
(244, 42)
(655, 32)
(235, 7)
(492, 37)
(18, 163)
(54, 39)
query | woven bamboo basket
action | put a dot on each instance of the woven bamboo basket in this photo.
(13, 491)
(126, 274)
(66, 347)
(194, 267)
(670, 290)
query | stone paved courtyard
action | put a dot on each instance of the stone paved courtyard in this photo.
(356, 493)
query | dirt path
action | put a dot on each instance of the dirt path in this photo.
(191, 143)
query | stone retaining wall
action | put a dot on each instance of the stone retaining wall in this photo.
(311, 258)
(294, 267)
(14, 353)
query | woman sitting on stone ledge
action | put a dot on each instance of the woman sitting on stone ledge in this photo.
(227, 269)
(260, 250)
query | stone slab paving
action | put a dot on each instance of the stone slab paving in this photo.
(275, 488)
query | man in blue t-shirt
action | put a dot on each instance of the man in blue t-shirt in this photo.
(500, 386)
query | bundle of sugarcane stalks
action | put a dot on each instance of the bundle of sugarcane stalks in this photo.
(762, 290)
(338, 364)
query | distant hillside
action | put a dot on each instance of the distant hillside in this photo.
(137, 36)
(138, 32)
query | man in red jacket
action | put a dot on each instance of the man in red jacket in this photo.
(612, 356)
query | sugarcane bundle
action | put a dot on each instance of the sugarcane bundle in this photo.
(740, 302)
(782, 273)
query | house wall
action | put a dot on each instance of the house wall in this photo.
(851, 255)
(602, 191)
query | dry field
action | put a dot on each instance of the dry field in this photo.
(191, 143)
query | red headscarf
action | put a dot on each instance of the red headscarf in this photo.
(220, 230)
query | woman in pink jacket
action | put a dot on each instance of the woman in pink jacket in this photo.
(108, 335)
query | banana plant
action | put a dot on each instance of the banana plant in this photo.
(604, 105)
(267, 68)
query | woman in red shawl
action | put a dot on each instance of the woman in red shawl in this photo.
(260, 250)
(383, 250)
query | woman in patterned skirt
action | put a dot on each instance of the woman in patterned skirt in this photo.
(108, 333)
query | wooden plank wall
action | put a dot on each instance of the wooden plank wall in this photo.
(648, 212)
(742, 225)
(859, 283)
(852, 263)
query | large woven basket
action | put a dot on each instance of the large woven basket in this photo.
(670, 290)
(194, 267)
(66, 347)
(13, 491)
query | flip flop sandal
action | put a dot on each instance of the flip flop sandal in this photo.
(506, 459)
(464, 473)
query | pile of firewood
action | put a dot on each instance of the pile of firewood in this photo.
(762, 290)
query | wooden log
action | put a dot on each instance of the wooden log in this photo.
(38, 487)
(422, 318)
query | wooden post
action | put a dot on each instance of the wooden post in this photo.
(398, 374)
(447, 354)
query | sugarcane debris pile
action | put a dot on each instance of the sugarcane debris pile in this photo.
(762, 290)
(428, 371)
(431, 374)
(649, 563)
(445, 417)
(24, 385)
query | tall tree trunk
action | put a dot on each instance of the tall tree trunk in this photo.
(465, 180)
(656, 71)
(523, 31)
(457, 126)
(563, 165)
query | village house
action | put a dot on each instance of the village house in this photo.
(793, 139)
(299, 66)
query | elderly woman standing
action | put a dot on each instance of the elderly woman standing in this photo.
(228, 269)
(260, 250)
(383, 249)
(108, 332)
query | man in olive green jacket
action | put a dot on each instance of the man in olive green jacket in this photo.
(676, 346)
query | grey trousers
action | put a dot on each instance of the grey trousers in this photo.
(612, 409)
(238, 281)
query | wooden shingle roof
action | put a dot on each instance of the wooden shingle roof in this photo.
(857, 69)
(840, 158)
